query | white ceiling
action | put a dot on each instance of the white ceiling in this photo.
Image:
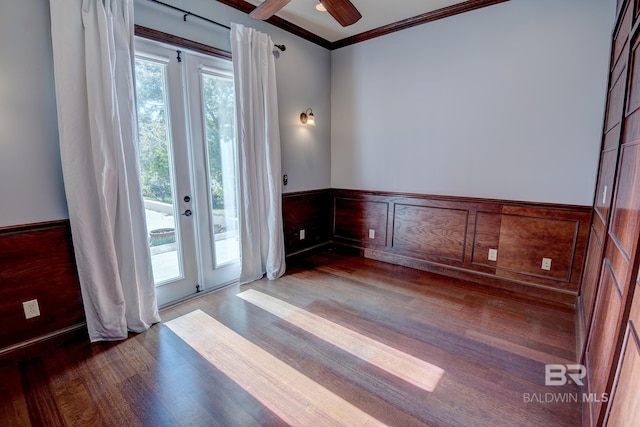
(375, 14)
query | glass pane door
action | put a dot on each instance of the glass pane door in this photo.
(213, 123)
(219, 123)
(156, 169)
(165, 171)
(187, 157)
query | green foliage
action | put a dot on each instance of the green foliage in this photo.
(152, 131)
(219, 121)
(219, 116)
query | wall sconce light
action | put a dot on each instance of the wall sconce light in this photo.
(307, 118)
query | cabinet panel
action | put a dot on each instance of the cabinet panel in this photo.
(599, 228)
(600, 348)
(615, 103)
(622, 33)
(625, 217)
(605, 186)
(590, 278)
(612, 138)
(430, 231)
(625, 404)
(633, 102)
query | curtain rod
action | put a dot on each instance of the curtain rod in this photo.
(187, 13)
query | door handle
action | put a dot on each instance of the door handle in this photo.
(187, 212)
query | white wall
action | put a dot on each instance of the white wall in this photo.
(504, 102)
(31, 185)
(31, 188)
(303, 78)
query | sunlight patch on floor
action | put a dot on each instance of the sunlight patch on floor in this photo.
(292, 396)
(402, 365)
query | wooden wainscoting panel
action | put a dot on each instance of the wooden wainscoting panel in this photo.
(37, 262)
(425, 231)
(525, 241)
(454, 234)
(309, 211)
(353, 220)
(486, 237)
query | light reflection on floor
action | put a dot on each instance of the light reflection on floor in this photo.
(292, 396)
(289, 394)
(404, 366)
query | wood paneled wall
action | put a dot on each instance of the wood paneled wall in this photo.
(453, 235)
(609, 302)
(308, 211)
(37, 262)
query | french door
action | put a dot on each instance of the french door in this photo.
(188, 168)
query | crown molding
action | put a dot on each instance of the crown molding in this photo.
(435, 15)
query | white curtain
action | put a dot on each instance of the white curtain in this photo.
(93, 63)
(258, 154)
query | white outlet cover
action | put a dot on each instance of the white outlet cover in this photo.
(493, 255)
(31, 309)
(546, 264)
(372, 234)
(303, 234)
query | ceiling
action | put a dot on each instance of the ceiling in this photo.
(375, 13)
(379, 17)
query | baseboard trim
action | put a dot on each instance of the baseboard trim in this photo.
(565, 298)
(53, 338)
(309, 250)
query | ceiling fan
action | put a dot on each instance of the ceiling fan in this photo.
(342, 11)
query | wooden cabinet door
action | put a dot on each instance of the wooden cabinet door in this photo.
(619, 267)
(621, 255)
(624, 403)
(621, 260)
(618, 275)
(613, 123)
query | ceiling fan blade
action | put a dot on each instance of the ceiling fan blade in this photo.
(343, 11)
(268, 8)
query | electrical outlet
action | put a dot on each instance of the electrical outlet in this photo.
(372, 234)
(31, 309)
(546, 264)
(303, 234)
(493, 254)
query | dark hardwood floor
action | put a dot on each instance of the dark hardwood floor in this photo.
(491, 344)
